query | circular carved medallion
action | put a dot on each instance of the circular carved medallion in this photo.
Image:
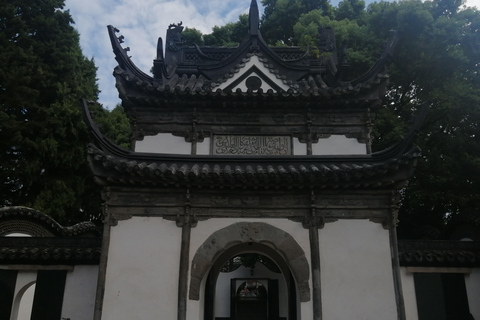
(253, 83)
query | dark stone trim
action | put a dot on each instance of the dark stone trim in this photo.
(439, 253)
(316, 273)
(186, 222)
(295, 205)
(397, 282)
(102, 272)
(54, 251)
(71, 251)
(313, 223)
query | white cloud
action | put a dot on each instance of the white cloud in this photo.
(141, 22)
(473, 3)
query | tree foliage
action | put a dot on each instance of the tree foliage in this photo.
(114, 124)
(191, 36)
(437, 62)
(280, 16)
(228, 35)
(43, 76)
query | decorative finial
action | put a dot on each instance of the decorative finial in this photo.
(254, 18)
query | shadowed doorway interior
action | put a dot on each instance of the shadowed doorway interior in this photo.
(250, 282)
(251, 300)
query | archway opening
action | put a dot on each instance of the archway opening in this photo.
(250, 281)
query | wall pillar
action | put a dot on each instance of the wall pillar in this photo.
(186, 222)
(397, 281)
(312, 222)
(102, 268)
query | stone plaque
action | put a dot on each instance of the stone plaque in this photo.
(252, 145)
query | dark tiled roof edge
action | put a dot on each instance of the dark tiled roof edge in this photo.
(50, 251)
(46, 222)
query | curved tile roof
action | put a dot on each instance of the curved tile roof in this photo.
(49, 242)
(163, 170)
(425, 253)
(51, 251)
(131, 86)
(115, 166)
(38, 224)
(193, 79)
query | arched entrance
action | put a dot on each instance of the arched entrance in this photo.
(252, 238)
(265, 305)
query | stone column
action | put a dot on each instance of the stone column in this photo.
(391, 224)
(186, 222)
(312, 222)
(108, 222)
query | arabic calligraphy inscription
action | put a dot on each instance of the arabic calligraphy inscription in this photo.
(252, 145)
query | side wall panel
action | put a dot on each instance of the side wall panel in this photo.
(142, 270)
(356, 271)
(80, 289)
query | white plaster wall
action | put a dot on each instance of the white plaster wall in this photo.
(195, 309)
(142, 270)
(472, 283)
(299, 149)
(409, 297)
(204, 147)
(204, 229)
(356, 271)
(79, 294)
(222, 292)
(164, 143)
(142, 283)
(337, 145)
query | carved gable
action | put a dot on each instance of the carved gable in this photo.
(253, 74)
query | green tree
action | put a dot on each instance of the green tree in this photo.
(114, 124)
(229, 35)
(351, 10)
(363, 45)
(43, 76)
(191, 36)
(280, 16)
(436, 62)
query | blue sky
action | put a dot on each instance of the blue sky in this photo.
(142, 22)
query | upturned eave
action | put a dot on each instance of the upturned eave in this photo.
(113, 165)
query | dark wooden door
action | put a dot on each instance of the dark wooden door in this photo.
(251, 309)
(250, 303)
